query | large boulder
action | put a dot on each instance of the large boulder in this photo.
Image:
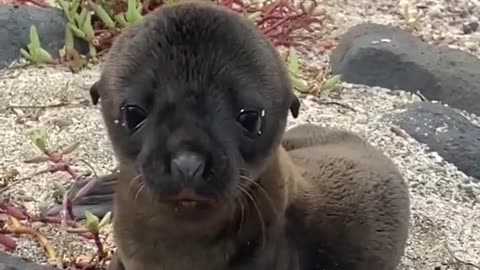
(15, 24)
(446, 132)
(8, 262)
(386, 56)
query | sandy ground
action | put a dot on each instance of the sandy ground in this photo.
(446, 216)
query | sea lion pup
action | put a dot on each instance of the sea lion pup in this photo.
(195, 101)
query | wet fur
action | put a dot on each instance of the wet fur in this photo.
(328, 203)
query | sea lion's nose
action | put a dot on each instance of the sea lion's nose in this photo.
(188, 166)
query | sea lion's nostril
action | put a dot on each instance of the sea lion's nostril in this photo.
(188, 166)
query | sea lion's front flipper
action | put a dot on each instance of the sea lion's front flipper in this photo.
(98, 200)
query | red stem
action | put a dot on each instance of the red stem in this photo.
(280, 22)
(14, 211)
(8, 242)
(71, 172)
(39, 3)
(58, 220)
(99, 244)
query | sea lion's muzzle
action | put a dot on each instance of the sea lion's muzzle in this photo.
(189, 170)
(188, 167)
(187, 159)
(186, 185)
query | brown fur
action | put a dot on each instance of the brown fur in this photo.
(331, 202)
(352, 204)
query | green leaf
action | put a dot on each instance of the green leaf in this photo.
(77, 32)
(82, 16)
(25, 54)
(293, 62)
(74, 5)
(73, 10)
(332, 83)
(132, 16)
(92, 221)
(76, 18)
(39, 139)
(92, 51)
(120, 18)
(106, 219)
(102, 14)
(40, 55)
(30, 48)
(34, 39)
(64, 5)
(69, 41)
(87, 27)
(35, 53)
(299, 84)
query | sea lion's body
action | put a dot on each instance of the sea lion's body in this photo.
(354, 204)
(208, 185)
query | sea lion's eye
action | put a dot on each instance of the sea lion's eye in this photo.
(133, 117)
(251, 121)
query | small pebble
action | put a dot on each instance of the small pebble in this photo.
(61, 122)
(469, 27)
(435, 11)
(474, 26)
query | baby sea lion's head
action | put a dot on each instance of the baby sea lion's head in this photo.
(195, 99)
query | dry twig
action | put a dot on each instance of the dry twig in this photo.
(338, 104)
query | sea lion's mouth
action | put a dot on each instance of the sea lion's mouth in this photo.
(188, 209)
(188, 203)
(192, 204)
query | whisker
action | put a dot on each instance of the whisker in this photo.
(132, 182)
(140, 189)
(259, 214)
(242, 213)
(263, 191)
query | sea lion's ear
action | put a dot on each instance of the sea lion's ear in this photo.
(294, 105)
(94, 92)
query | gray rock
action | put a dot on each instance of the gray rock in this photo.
(446, 132)
(15, 31)
(469, 27)
(386, 56)
(8, 262)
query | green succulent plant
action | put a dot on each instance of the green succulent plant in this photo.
(293, 64)
(133, 15)
(35, 53)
